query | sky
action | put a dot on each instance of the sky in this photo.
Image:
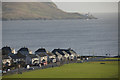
(82, 6)
(92, 7)
(60, 0)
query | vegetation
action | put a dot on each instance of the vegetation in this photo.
(76, 70)
(111, 59)
(36, 10)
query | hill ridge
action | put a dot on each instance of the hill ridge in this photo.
(36, 10)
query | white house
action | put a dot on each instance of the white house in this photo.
(51, 57)
(32, 59)
(6, 60)
(41, 53)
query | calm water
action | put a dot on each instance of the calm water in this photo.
(86, 37)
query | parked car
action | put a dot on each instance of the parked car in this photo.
(28, 66)
(4, 72)
(8, 69)
(31, 68)
(45, 63)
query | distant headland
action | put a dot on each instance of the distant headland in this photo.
(37, 11)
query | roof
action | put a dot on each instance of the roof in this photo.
(50, 54)
(5, 57)
(6, 50)
(68, 51)
(59, 51)
(24, 51)
(56, 52)
(17, 56)
(33, 56)
(41, 50)
(42, 54)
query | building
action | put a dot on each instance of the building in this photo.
(25, 51)
(18, 58)
(32, 59)
(73, 55)
(42, 55)
(51, 57)
(8, 51)
(59, 57)
(6, 60)
(62, 52)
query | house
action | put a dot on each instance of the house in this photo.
(59, 57)
(18, 58)
(8, 51)
(62, 52)
(72, 53)
(51, 57)
(6, 60)
(66, 55)
(32, 59)
(24, 51)
(42, 54)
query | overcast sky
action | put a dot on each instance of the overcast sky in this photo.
(92, 7)
(60, 0)
(82, 6)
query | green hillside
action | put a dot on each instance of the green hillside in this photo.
(36, 10)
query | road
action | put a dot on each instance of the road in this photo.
(20, 70)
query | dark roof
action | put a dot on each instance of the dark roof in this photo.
(41, 50)
(24, 49)
(59, 51)
(73, 51)
(50, 54)
(24, 52)
(5, 57)
(33, 56)
(17, 56)
(41, 54)
(6, 50)
(68, 51)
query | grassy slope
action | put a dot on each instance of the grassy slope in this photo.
(77, 70)
(35, 10)
(111, 59)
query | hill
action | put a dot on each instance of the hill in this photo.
(36, 10)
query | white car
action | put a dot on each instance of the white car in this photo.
(31, 68)
(4, 71)
(8, 69)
